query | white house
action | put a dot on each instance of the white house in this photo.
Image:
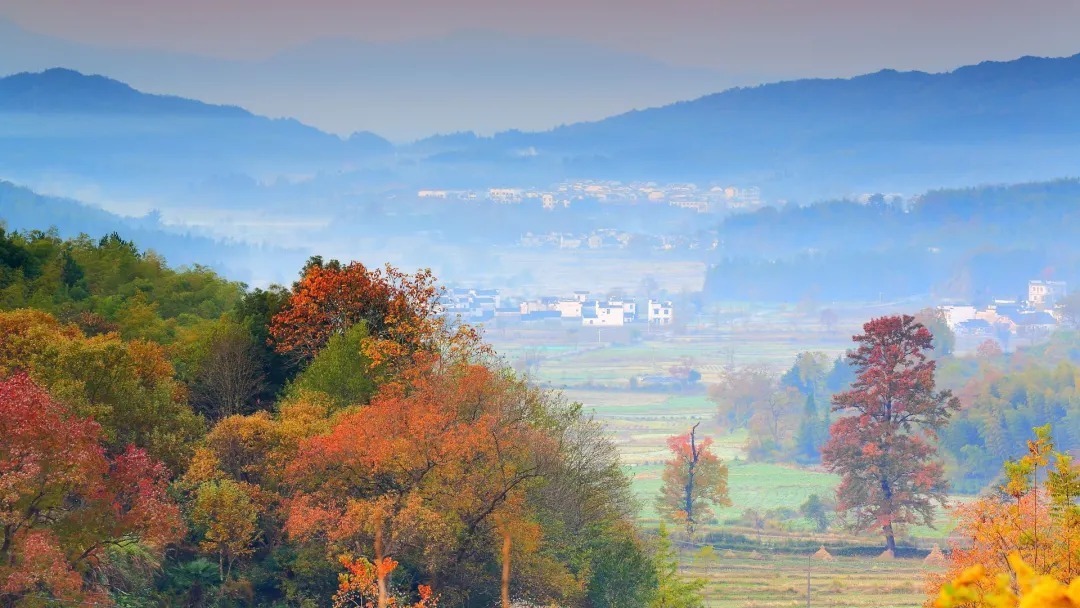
(569, 308)
(602, 315)
(1042, 294)
(660, 312)
(955, 315)
(628, 308)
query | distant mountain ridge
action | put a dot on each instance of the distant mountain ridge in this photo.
(480, 80)
(1028, 80)
(93, 129)
(889, 131)
(65, 90)
(954, 128)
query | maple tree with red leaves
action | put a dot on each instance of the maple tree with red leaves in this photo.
(63, 500)
(884, 448)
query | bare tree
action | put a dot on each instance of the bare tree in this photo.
(739, 393)
(230, 375)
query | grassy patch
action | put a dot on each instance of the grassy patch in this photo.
(760, 486)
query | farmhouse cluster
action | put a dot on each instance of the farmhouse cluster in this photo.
(580, 306)
(1040, 313)
(702, 199)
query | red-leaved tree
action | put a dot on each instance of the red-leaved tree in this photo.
(63, 501)
(884, 447)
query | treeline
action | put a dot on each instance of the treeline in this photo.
(174, 439)
(973, 244)
(1005, 395)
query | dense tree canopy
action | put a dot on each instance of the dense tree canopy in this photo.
(66, 502)
(108, 284)
(343, 427)
(128, 387)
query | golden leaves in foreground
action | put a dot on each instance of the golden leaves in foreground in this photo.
(973, 587)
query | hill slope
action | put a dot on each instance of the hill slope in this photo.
(481, 80)
(62, 122)
(996, 121)
(67, 91)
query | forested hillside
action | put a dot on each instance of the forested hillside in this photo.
(970, 245)
(172, 438)
(22, 209)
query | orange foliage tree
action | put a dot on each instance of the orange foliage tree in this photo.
(360, 586)
(423, 472)
(694, 478)
(1039, 523)
(402, 312)
(1025, 588)
(63, 502)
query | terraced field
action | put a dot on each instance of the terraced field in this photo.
(739, 581)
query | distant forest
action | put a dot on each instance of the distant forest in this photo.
(972, 245)
(23, 209)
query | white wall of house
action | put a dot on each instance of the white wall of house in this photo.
(569, 308)
(955, 315)
(660, 313)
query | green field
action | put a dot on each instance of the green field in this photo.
(758, 486)
(613, 366)
(641, 423)
(596, 374)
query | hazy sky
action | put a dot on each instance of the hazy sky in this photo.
(792, 37)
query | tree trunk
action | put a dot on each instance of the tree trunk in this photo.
(384, 595)
(689, 494)
(890, 538)
(7, 556)
(506, 570)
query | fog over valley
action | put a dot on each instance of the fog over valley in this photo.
(577, 305)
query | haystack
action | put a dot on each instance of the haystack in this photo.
(823, 555)
(756, 555)
(729, 553)
(935, 556)
(886, 555)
